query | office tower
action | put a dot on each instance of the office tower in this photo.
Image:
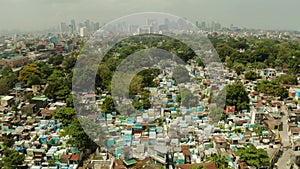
(203, 25)
(87, 25)
(73, 24)
(63, 27)
(217, 26)
(83, 31)
(96, 26)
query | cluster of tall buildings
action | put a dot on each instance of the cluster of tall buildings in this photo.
(213, 26)
(81, 28)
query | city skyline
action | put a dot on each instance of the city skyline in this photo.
(43, 14)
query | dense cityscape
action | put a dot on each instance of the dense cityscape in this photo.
(175, 122)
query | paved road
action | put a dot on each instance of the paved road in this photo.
(286, 160)
(284, 134)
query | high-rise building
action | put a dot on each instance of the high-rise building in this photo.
(63, 27)
(73, 24)
(203, 25)
(83, 31)
(96, 26)
(145, 29)
(218, 26)
(153, 23)
(87, 25)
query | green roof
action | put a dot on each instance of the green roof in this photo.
(137, 127)
(265, 132)
(39, 98)
(130, 162)
(39, 150)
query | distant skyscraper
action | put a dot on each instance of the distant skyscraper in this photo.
(63, 27)
(203, 25)
(87, 25)
(197, 24)
(213, 24)
(146, 29)
(82, 31)
(73, 24)
(218, 26)
(153, 23)
(96, 26)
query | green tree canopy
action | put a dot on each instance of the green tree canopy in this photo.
(251, 75)
(11, 159)
(56, 60)
(220, 161)
(237, 96)
(79, 136)
(108, 105)
(272, 88)
(59, 85)
(287, 79)
(64, 115)
(4, 88)
(254, 157)
(30, 75)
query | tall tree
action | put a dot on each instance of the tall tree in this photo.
(273, 88)
(254, 157)
(220, 161)
(11, 159)
(4, 88)
(56, 60)
(30, 75)
(108, 105)
(59, 84)
(64, 115)
(80, 137)
(251, 75)
(236, 95)
(287, 79)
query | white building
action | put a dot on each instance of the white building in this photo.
(82, 31)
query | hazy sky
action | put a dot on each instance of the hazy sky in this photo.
(40, 14)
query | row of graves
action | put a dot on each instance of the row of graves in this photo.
(34, 133)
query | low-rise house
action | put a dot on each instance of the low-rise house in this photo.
(294, 116)
(295, 133)
(219, 142)
(267, 73)
(272, 124)
(294, 92)
(15, 61)
(29, 109)
(7, 101)
(40, 101)
(229, 110)
(46, 113)
(296, 151)
(242, 165)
